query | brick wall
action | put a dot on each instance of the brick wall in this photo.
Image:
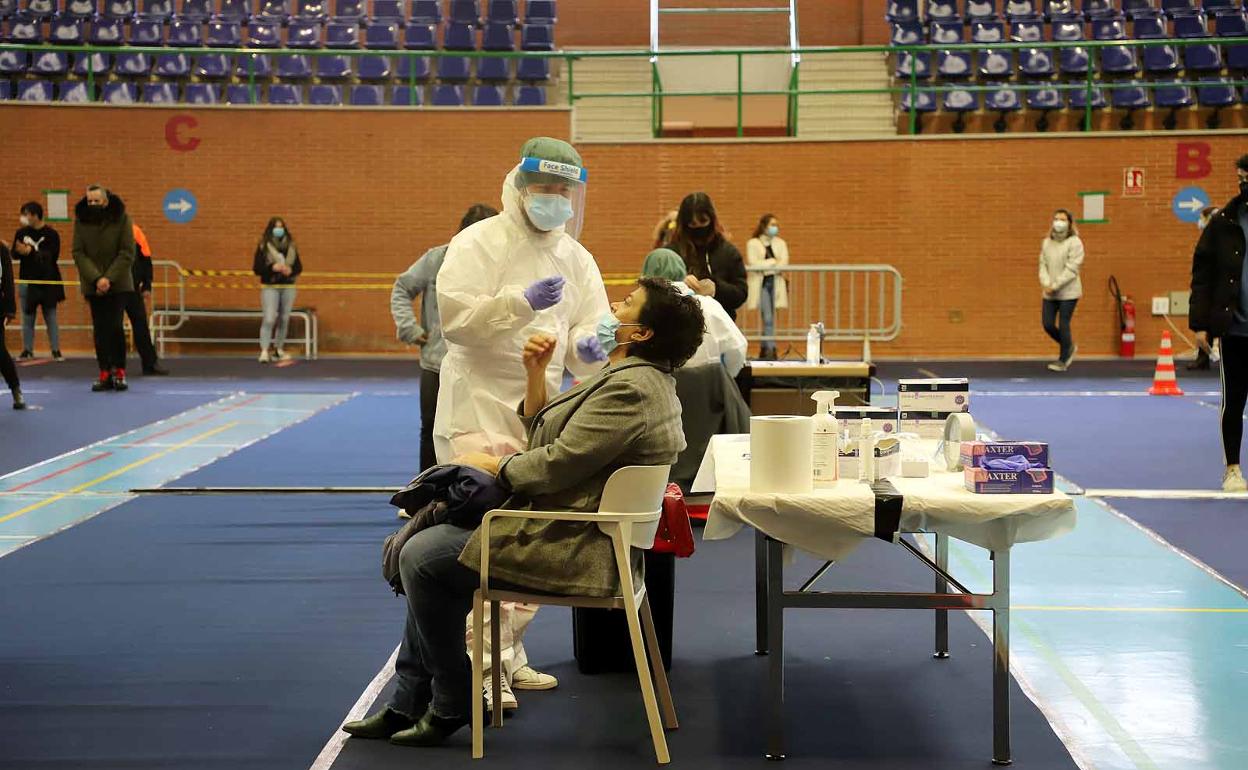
(369, 191)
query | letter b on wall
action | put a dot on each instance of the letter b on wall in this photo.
(1192, 160)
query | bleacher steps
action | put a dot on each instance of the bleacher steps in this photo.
(844, 115)
(610, 119)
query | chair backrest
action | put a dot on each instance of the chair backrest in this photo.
(637, 489)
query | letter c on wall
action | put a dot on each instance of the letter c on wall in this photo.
(173, 133)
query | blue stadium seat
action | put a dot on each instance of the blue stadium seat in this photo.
(13, 62)
(34, 91)
(66, 30)
(425, 11)
(241, 94)
(459, 37)
(7, 9)
(1036, 62)
(148, 32)
(49, 63)
(413, 67)
(942, 10)
(264, 35)
(420, 37)
(107, 31)
(1071, 61)
(499, 37)
(946, 32)
(908, 33)
(296, 67)
(1043, 100)
(995, 64)
(1217, 7)
(186, 34)
(405, 96)
(202, 93)
(1158, 59)
(1140, 9)
(1129, 97)
(534, 70)
(350, 10)
(25, 29)
(447, 96)
(98, 63)
(487, 96)
(537, 37)
(1115, 60)
(213, 66)
(1022, 10)
(1079, 99)
(317, 10)
(285, 94)
(924, 101)
(325, 96)
(544, 11)
(1027, 31)
(389, 10)
(74, 93)
(493, 70)
(960, 103)
(342, 35)
(1217, 96)
(159, 10)
(1198, 57)
(233, 11)
(195, 10)
(1176, 8)
(1002, 101)
(504, 12)
(530, 96)
(373, 68)
(224, 34)
(172, 65)
(1174, 98)
(952, 65)
(81, 9)
(333, 67)
(132, 64)
(981, 10)
(920, 63)
(40, 9)
(454, 68)
(257, 64)
(382, 35)
(120, 93)
(466, 12)
(6, 90)
(366, 96)
(303, 34)
(160, 93)
(1234, 25)
(1062, 10)
(1099, 9)
(274, 10)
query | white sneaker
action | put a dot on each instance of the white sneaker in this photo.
(509, 698)
(528, 679)
(279, 354)
(264, 357)
(1056, 366)
(1233, 481)
(1070, 359)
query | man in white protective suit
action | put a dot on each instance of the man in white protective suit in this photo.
(505, 279)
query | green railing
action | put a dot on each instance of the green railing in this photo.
(657, 94)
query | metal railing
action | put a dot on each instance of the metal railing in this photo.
(657, 94)
(853, 302)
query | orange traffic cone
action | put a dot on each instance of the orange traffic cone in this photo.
(1164, 382)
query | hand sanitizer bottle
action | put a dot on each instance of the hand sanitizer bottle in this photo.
(826, 452)
(814, 341)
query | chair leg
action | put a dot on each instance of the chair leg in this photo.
(631, 614)
(496, 665)
(478, 656)
(656, 660)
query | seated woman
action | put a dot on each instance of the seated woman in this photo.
(627, 414)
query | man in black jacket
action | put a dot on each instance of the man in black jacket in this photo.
(1219, 310)
(136, 304)
(8, 311)
(103, 253)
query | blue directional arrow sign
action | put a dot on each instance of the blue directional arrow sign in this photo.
(180, 206)
(1188, 202)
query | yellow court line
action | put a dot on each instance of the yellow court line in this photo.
(1046, 608)
(114, 474)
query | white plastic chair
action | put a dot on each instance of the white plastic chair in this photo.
(632, 503)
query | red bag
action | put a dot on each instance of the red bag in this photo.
(675, 535)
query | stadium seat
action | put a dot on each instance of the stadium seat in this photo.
(946, 32)
(1129, 97)
(107, 31)
(537, 37)
(1234, 24)
(1062, 10)
(1079, 99)
(6, 90)
(49, 63)
(1044, 101)
(333, 67)
(81, 9)
(425, 11)
(160, 93)
(24, 29)
(147, 32)
(325, 96)
(195, 10)
(466, 12)
(297, 67)
(241, 94)
(487, 96)
(1217, 95)
(1099, 9)
(221, 34)
(274, 10)
(342, 35)
(952, 65)
(350, 10)
(132, 64)
(74, 93)
(235, 11)
(981, 10)
(498, 37)
(120, 93)
(155, 10)
(185, 34)
(317, 10)
(406, 96)
(172, 65)
(202, 93)
(1022, 10)
(960, 103)
(374, 68)
(1158, 59)
(504, 12)
(389, 11)
(942, 10)
(924, 102)
(382, 35)
(1174, 98)
(457, 36)
(530, 96)
(533, 70)
(1036, 62)
(447, 96)
(1198, 57)
(1138, 9)
(1178, 8)
(303, 34)
(544, 11)
(908, 33)
(420, 37)
(42, 10)
(920, 63)
(1115, 60)
(285, 94)
(1071, 61)
(7, 8)
(98, 63)
(366, 96)
(1002, 101)
(13, 62)
(34, 91)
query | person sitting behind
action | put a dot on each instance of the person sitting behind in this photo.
(626, 414)
(723, 342)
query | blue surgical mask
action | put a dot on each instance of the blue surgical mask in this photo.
(279, 232)
(608, 325)
(772, 231)
(548, 211)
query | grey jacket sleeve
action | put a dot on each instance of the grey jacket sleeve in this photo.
(605, 425)
(410, 285)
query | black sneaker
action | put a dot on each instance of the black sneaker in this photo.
(104, 383)
(19, 403)
(26, 355)
(119, 380)
(155, 370)
(56, 356)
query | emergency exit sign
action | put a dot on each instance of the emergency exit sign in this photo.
(1132, 182)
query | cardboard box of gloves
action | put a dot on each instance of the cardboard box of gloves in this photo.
(923, 405)
(1007, 467)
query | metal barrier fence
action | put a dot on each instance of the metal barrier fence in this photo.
(1090, 82)
(853, 302)
(168, 294)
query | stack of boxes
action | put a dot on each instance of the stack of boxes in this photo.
(924, 405)
(1036, 480)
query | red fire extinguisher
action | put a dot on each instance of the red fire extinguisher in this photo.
(1126, 320)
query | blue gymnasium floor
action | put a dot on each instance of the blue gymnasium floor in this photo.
(237, 632)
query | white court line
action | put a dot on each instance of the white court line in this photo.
(333, 747)
(1167, 494)
(1083, 393)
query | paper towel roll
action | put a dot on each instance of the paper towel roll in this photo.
(959, 427)
(781, 454)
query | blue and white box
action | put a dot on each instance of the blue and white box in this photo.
(883, 419)
(974, 453)
(935, 394)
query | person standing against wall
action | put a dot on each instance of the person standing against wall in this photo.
(8, 313)
(1204, 354)
(421, 280)
(278, 265)
(136, 305)
(1061, 258)
(1219, 311)
(103, 253)
(38, 247)
(715, 266)
(767, 291)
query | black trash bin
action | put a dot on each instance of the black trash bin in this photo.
(600, 638)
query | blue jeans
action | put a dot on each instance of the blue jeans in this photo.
(1062, 310)
(276, 305)
(767, 309)
(433, 668)
(28, 323)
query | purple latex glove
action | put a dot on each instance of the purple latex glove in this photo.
(545, 293)
(1013, 463)
(589, 350)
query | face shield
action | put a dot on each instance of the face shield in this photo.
(553, 194)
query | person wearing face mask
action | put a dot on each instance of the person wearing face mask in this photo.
(277, 263)
(1204, 354)
(767, 291)
(1061, 258)
(38, 247)
(136, 305)
(715, 266)
(103, 253)
(1219, 312)
(8, 312)
(503, 280)
(626, 414)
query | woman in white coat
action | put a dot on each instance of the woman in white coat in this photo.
(1061, 259)
(504, 280)
(767, 290)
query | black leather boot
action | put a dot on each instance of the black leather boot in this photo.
(431, 730)
(383, 724)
